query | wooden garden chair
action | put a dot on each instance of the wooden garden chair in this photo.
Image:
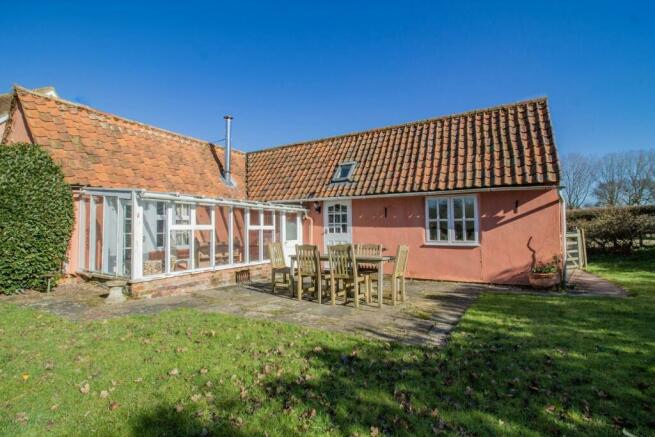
(278, 266)
(398, 275)
(368, 269)
(308, 265)
(343, 268)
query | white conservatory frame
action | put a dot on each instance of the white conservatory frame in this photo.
(138, 197)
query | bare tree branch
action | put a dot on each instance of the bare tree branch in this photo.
(639, 177)
(611, 186)
(578, 177)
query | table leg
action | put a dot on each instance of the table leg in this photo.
(292, 279)
(380, 283)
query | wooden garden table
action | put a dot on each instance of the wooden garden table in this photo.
(378, 261)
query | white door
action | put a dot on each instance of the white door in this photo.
(337, 222)
(291, 234)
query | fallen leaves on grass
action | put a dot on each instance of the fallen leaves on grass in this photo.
(21, 418)
(104, 394)
(85, 388)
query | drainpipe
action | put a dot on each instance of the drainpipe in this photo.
(564, 255)
(311, 227)
(228, 149)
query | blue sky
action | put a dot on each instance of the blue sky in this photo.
(295, 71)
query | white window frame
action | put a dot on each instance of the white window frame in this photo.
(337, 178)
(192, 227)
(261, 227)
(451, 221)
(160, 218)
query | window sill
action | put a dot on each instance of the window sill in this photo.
(449, 244)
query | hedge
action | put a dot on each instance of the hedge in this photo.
(576, 215)
(36, 217)
(617, 229)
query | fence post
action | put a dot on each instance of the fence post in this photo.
(580, 253)
(584, 246)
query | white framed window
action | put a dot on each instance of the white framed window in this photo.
(261, 231)
(160, 230)
(344, 171)
(337, 219)
(452, 220)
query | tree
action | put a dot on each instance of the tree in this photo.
(578, 176)
(639, 185)
(611, 180)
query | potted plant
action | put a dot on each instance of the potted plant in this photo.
(545, 275)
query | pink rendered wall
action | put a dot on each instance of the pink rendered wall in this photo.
(313, 235)
(511, 237)
(19, 132)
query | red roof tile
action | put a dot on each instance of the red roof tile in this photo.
(102, 150)
(504, 146)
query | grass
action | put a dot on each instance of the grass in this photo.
(516, 365)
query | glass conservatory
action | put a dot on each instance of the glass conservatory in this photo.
(138, 234)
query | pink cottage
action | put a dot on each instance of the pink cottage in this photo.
(474, 195)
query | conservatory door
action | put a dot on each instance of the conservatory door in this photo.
(337, 222)
(292, 234)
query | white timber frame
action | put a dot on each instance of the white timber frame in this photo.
(136, 198)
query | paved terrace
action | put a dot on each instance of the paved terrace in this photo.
(432, 309)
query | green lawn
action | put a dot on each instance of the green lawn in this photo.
(517, 364)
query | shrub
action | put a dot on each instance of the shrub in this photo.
(549, 267)
(616, 229)
(36, 217)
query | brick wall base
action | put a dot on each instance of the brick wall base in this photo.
(177, 285)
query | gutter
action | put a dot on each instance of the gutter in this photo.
(220, 201)
(193, 199)
(424, 193)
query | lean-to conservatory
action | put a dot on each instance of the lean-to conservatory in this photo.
(140, 235)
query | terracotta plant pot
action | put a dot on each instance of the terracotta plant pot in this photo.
(543, 280)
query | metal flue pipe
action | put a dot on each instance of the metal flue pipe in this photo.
(228, 149)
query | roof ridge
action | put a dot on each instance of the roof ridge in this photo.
(406, 124)
(123, 119)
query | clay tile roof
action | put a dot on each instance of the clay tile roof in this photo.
(98, 149)
(504, 146)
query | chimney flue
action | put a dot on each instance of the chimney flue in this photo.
(228, 149)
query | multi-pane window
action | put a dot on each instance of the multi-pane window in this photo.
(452, 220)
(127, 236)
(222, 232)
(239, 236)
(160, 220)
(261, 231)
(337, 219)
